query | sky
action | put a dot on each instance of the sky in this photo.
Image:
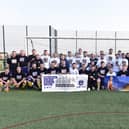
(102, 15)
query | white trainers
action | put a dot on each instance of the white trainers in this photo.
(88, 89)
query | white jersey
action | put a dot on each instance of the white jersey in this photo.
(77, 60)
(74, 71)
(46, 61)
(85, 60)
(100, 60)
(121, 60)
(116, 67)
(81, 55)
(110, 59)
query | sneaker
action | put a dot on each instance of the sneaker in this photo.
(88, 89)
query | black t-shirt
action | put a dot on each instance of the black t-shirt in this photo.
(19, 76)
(63, 70)
(53, 70)
(93, 73)
(42, 71)
(31, 58)
(37, 62)
(94, 60)
(22, 60)
(34, 73)
(102, 71)
(81, 71)
(5, 77)
(13, 63)
(123, 73)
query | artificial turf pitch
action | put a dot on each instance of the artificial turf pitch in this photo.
(28, 109)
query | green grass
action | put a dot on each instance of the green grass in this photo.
(21, 106)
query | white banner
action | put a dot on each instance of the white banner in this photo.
(64, 83)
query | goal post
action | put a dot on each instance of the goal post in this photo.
(41, 42)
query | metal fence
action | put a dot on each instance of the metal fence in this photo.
(46, 37)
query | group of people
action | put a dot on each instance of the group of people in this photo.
(24, 71)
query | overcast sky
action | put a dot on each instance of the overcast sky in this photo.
(67, 14)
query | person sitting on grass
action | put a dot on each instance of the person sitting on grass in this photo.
(19, 78)
(5, 79)
(34, 77)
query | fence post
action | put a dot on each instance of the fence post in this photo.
(50, 40)
(96, 34)
(76, 33)
(27, 40)
(4, 49)
(115, 41)
(56, 41)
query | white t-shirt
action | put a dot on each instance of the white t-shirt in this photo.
(116, 67)
(113, 74)
(100, 60)
(46, 61)
(74, 71)
(123, 60)
(85, 60)
(110, 58)
(77, 60)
